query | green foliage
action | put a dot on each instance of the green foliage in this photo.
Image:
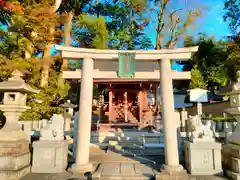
(51, 96)
(197, 80)
(126, 21)
(94, 30)
(221, 119)
(211, 61)
(232, 16)
(13, 45)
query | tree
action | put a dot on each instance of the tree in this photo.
(232, 16)
(197, 80)
(211, 61)
(125, 23)
(47, 57)
(233, 59)
(173, 20)
(28, 31)
(70, 9)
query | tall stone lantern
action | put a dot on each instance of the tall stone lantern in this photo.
(14, 145)
(235, 111)
(68, 114)
(231, 150)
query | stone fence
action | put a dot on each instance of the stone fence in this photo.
(32, 125)
(215, 109)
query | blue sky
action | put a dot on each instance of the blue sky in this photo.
(210, 23)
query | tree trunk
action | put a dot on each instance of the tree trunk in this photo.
(67, 35)
(46, 65)
(160, 25)
(67, 42)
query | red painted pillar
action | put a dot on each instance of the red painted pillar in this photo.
(140, 106)
(110, 97)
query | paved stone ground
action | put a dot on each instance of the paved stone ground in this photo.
(112, 166)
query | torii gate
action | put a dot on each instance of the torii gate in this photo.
(164, 57)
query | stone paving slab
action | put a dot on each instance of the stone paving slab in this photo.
(122, 171)
(110, 157)
(115, 166)
(127, 168)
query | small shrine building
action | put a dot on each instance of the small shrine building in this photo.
(127, 74)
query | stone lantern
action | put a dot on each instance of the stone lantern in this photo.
(231, 150)
(68, 114)
(14, 145)
(235, 111)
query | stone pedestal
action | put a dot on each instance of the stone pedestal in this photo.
(14, 159)
(231, 160)
(50, 156)
(203, 158)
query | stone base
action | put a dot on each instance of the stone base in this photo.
(231, 150)
(232, 175)
(173, 176)
(176, 173)
(231, 160)
(203, 158)
(50, 156)
(14, 163)
(14, 159)
(81, 170)
(9, 148)
(15, 175)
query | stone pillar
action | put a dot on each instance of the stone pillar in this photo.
(184, 117)
(82, 164)
(110, 97)
(199, 109)
(170, 126)
(125, 107)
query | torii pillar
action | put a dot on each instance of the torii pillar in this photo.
(172, 164)
(82, 164)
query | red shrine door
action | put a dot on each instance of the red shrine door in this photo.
(124, 107)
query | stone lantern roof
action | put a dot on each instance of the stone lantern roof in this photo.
(68, 104)
(16, 84)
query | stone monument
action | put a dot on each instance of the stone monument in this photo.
(202, 153)
(231, 150)
(14, 145)
(68, 114)
(51, 152)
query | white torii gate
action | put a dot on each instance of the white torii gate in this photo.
(164, 57)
